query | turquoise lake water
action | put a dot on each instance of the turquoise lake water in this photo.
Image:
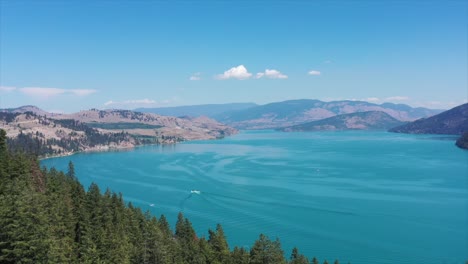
(360, 197)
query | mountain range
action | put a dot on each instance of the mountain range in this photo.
(294, 112)
(209, 110)
(87, 130)
(371, 120)
(291, 112)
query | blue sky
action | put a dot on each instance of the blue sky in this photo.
(73, 55)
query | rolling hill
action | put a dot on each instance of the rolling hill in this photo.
(371, 120)
(58, 134)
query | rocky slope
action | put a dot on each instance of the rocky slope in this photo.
(453, 121)
(147, 124)
(371, 120)
(58, 134)
(294, 112)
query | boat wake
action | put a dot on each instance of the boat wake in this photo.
(222, 199)
(192, 192)
(182, 203)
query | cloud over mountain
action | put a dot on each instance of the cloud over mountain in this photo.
(7, 89)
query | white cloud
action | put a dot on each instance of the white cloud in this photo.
(136, 103)
(438, 104)
(42, 92)
(145, 101)
(142, 101)
(314, 72)
(239, 72)
(272, 74)
(372, 99)
(82, 92)
(110, 102)
(195, 76)
(7, 89)
(435, 103)
(397, 98)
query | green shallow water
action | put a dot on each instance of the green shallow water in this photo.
(361, 197)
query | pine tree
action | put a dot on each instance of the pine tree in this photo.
(217, 241)
(187, 239)
(240, 256)
(23, 225)
(297, 258)
(168, 247)
(164, 226)
(4, 158)
(3, 143)
(134, 219)
(265, 251)
(206, 254)
(71, 170)
(94, 210)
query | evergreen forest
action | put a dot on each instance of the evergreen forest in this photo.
(47, 216)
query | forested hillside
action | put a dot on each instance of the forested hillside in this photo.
(450, 122)
(43, 136)
(46, 216)
(35, 131)
(462, 142)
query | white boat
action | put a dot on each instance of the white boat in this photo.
(195, 191)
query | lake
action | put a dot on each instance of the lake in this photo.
(360, 197)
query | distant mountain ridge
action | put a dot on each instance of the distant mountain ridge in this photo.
(209, 110)
(27, 108)
(371, 120)
(453, 121)
(294, 112)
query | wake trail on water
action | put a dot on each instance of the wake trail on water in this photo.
(216, 197)
(182, 203)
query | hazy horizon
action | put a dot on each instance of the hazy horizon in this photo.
(194, 105)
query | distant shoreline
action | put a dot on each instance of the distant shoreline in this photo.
(102, 148)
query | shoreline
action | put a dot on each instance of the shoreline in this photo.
(101, 148)
(104, 148)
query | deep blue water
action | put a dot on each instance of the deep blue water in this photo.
(361, 197)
